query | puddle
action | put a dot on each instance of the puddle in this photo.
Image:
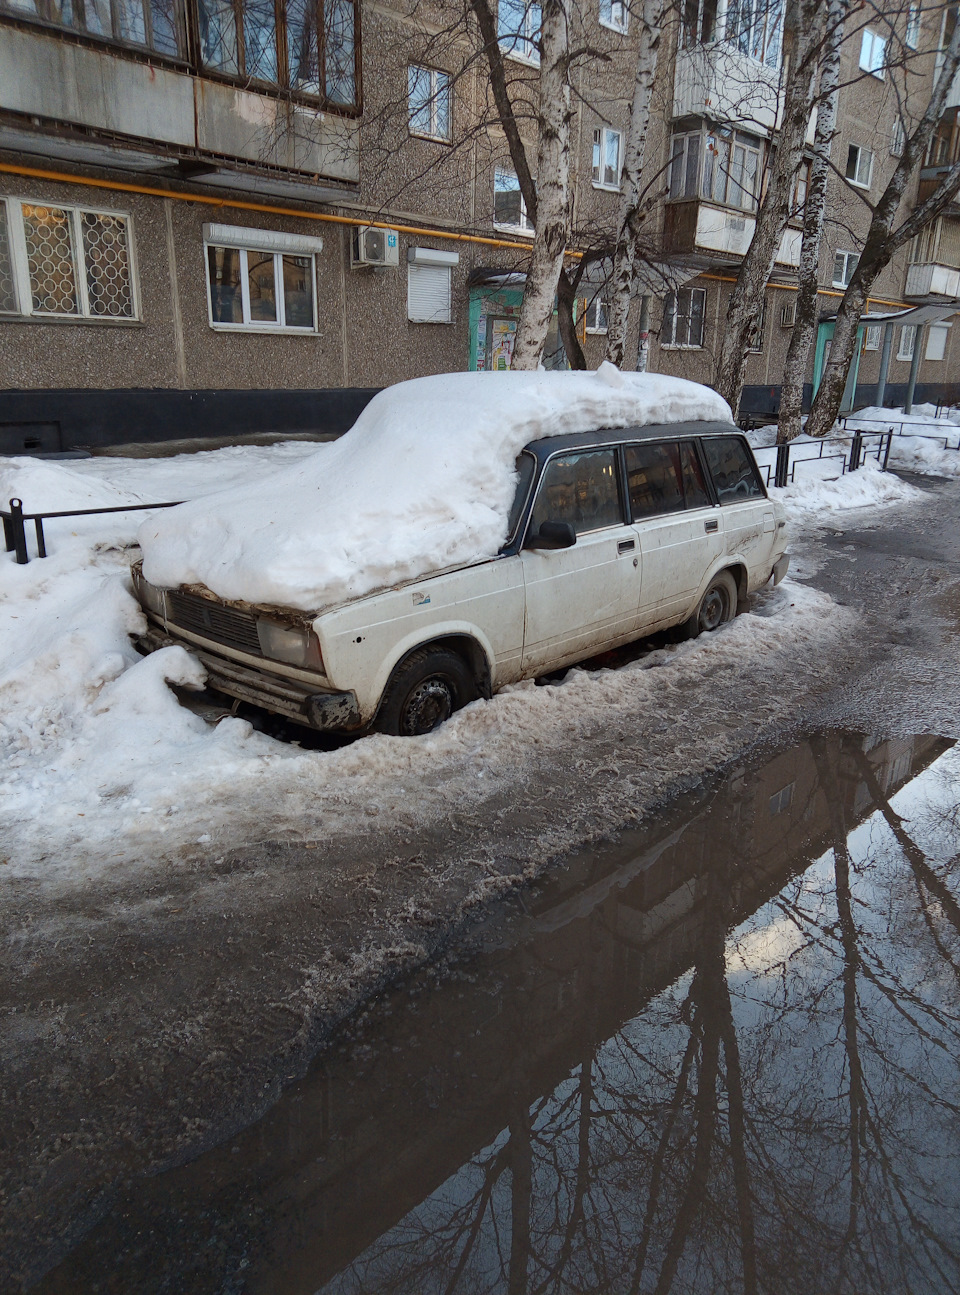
(720, 1055)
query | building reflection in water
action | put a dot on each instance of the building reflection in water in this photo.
(719, 1056)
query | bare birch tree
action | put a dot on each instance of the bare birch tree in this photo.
(814, 210)
(885, 238)
(804, 27)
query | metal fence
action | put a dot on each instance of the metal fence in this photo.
(15, 520)
(950, 440)
(848, 452)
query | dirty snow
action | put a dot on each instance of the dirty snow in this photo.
(422, 481)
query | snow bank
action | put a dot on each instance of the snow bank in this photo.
(424, 480)
(810, 497)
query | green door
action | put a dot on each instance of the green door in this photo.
(822, 354)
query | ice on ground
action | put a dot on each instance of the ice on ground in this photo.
(423, 480)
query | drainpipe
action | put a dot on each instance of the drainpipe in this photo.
(918, 342)
(884, 363)
(643, 349)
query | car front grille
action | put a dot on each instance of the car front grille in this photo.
(234, 629)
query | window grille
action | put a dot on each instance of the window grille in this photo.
(908, 338)
(683, 314)
(65, 261)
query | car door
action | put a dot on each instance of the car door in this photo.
(749, 523)
(680, 529)
(582, 599)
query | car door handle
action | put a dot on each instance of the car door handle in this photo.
(711, 526)
(626, 546)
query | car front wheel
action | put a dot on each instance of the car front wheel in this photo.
(423, 691)
(717, 606)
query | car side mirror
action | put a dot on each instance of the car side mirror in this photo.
(553, 535)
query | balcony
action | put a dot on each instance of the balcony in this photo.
(930, 283)
(711, 234)
(718, 82)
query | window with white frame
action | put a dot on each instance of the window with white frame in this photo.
(429, 102)
(912, 36)
(683, 314)
(898, 139)
(755, 28)
(908, 339)
(63, 261)
(872, 336)
(844, 264)
(615, 14)
(937, 337)
(873, 53)
(607, 158)
(261, 280)
(859, 169)
(518, 29)
(509, 209)
(595, 315)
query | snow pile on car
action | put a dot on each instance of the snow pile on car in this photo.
(424, 480)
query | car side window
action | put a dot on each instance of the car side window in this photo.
(581, 489)
(665, 477)
(734, 474)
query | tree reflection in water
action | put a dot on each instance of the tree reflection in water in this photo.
(783, 1116)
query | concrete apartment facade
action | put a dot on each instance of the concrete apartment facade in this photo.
(221, 215)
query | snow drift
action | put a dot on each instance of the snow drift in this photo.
(424, 480)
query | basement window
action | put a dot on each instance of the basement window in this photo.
(65, 262)
(261, 281)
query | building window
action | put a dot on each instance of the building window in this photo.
(908, 338)
(518, 29)
(683, 314)
(509, 209)
(729, 172)
(607, 158)
(429, 101)
(699, 23)
(873, 53)
(781, 800)
(615, 14)
(260, 280)
(429, 294)
(755, 28)
(859, 169)
(595, 315)
(801, 187)
(897, 139)
(757, 330)
(937, 336)
(912, 36)
(871, 338)
(65, 261)
(844, 264)
(150, 24)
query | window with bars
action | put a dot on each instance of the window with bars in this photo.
(65, 261)
(518, 29)
(308, 47)
(683, 314)
(607, 157)
(261, 289)
(908, 340)
(429, 102)
(872, 337)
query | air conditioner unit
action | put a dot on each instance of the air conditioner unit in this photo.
(788, 315)
(372, 246)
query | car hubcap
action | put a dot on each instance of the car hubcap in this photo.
(713, 609)
(430, 703)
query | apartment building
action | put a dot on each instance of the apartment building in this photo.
(249, 214)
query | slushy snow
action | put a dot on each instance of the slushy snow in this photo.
(424, 480)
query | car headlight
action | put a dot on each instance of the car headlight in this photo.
(292, 646)
(150, 596)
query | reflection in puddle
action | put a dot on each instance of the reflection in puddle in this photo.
(719, 1056)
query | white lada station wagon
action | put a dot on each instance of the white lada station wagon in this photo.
(469, 531)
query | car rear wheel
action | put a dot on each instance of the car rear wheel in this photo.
(717, 606)
(423, 691)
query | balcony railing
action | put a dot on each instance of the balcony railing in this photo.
(695, 228)
(718, 82)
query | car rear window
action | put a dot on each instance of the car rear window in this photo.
(664, 477)
(581, 489)
(732, 468)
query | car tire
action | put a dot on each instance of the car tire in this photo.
(423, 691)
(717, 606)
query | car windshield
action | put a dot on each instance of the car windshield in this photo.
(526, 466)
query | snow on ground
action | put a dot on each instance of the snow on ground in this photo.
(439, 452)
(102, 765)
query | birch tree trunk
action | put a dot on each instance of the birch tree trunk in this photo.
(805, 20)
(553, 187)
(805, 323)
(883, 241)
(630, 214)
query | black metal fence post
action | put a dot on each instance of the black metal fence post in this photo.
(856, 451)
(886, 453)
(783, 465)
(14, 533)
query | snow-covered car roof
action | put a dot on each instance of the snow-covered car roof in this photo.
(423, 481)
